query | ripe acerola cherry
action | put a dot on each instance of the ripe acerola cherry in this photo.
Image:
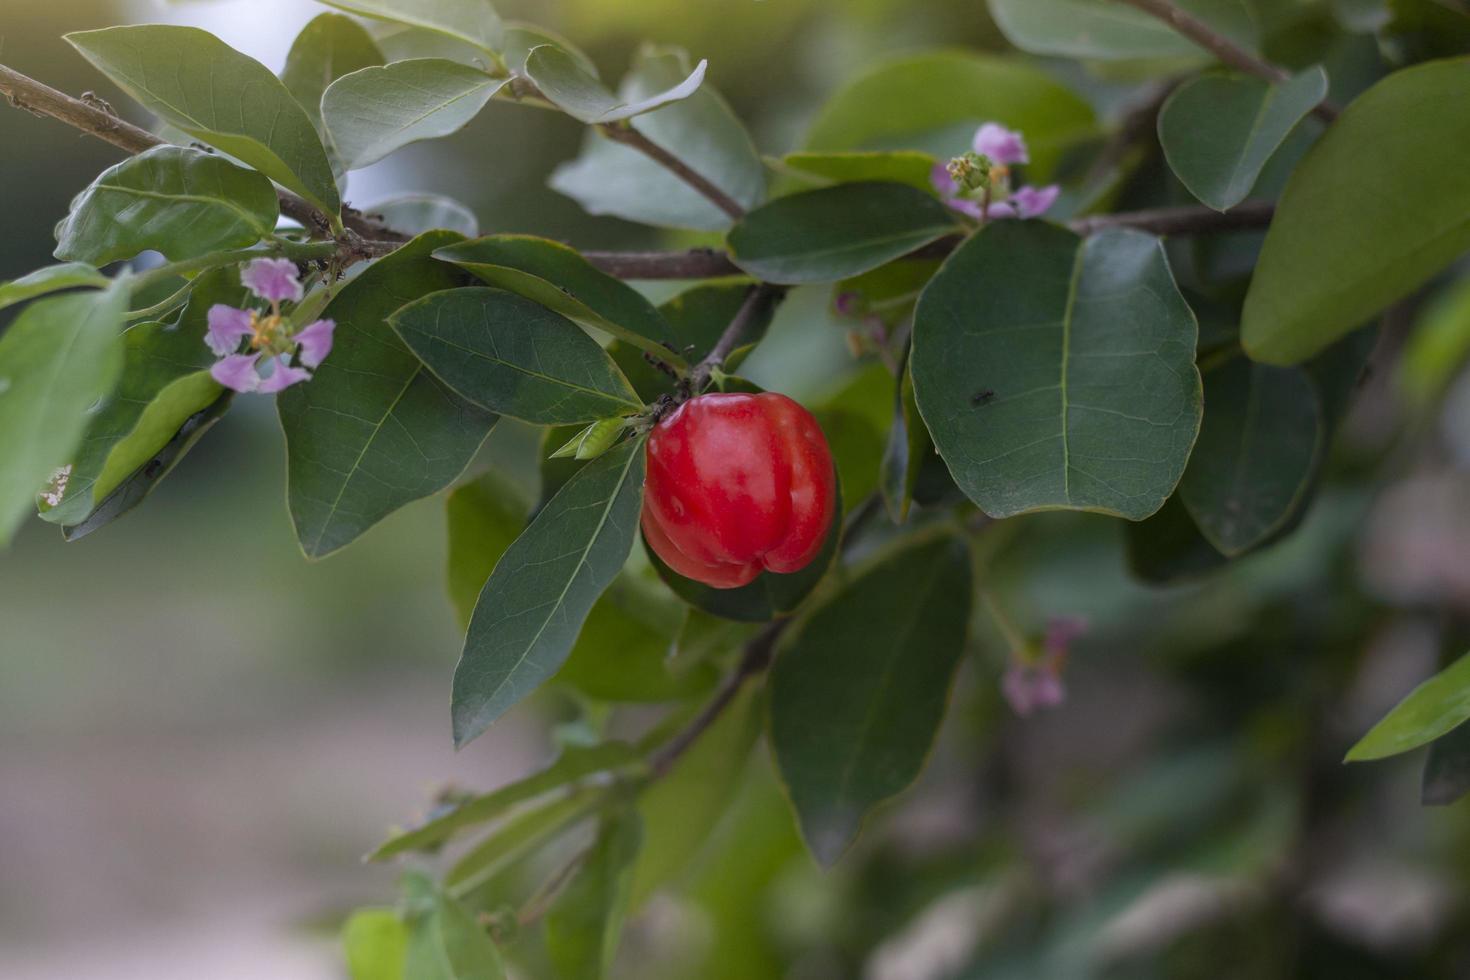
(738, 484)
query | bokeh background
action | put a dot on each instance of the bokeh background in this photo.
(201, 733)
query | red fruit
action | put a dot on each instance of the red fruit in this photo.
(737, 485)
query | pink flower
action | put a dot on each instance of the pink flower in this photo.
(275, 280)
(316, 342)
(227, 327)
(269, 342)
(1030, 686)
(1003, 146)
(1031, 202)
(1032, 682)
(942, 182)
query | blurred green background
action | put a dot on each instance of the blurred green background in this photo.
(200, 732)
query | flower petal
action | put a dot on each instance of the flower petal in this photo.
(283, 375)
(237, 372)
(272, 279)
(226, 326)
(966, 206)
(1033, 201)
(942, 182)
(1001, 209)
(1003, 146)
(316, 342)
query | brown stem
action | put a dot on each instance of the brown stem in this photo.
(628, 136)
(1222, 47)
(697, 263)
(1181, 221)
(757, 657)
(757, 303)
(41, 99)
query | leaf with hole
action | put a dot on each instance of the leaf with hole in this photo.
(61, 356)
(515, 357)
(196, 82)
(859, 690)
(1055, 372)
(1219, 130)
(374, 429)
(161, 385)
(176, 200)
(533, 606)
(836, 232)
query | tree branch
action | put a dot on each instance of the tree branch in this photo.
(1222, 47)
(41, 99)
(628, 136)
(697, 263)
(1187, 220)
(757, 302)
(756, 658)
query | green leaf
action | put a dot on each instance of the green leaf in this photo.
(532, 608)
(702, 131)
(159, 389)
(484, 516)
(196, 82)
(559, 278)
(769, 596)
(1168, 547)
(699, 315)
(1055, 372)
(1379, 205)
(522, 38)
(472, 21)
(934, 101)
(519, 835)
(448, 943)
(836, 232)
(908, 445)
(1434, 708)
(1434, 352)
(326, 49)
(622, 652)
(1447, 770)
(172, 199)
(51, 279)
(1256, 455)
(374, 111)
(168, 428)
(415, 214)
(374, 429)
(515, 357)
(892, 166)
(376, 943)
(1218, 130)
(859, 691)
(575, 762)
(857, 450)
(564, 80)
(682, 809)
(584, 925)
(1108, 29)
(59, 357)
